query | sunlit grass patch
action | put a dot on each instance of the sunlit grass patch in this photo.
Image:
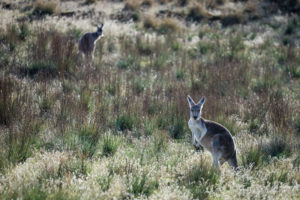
(253, 157)
(200, 179)
(141, 185)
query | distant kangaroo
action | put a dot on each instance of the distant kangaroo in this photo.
(212, 136)
(87, 42)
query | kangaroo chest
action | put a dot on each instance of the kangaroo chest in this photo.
(199, 132)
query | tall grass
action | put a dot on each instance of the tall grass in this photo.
(51, 103)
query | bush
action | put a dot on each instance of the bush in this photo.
(125, 122)
(278, 146)
(24, 31)
(90, 1)
(8, 103)
(200, 179)
(150, 23)
(183, 2)
(44, 68)
(144, 47)
(147, 3)
(160, 142)
(180, 74)
(253, 157)
(168, 26)
(196, 13)
(274, 177)
(141, 185)
(131, 5)
(228, 123)
(110, 145)
(83, 140)
(129, 62)
(206, 47)
(43, 7)
(178, 128)
(21, 142)
(139, 86)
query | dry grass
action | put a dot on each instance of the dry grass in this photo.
(150, 22)
(132, 5)
(117, 128)
(44, 7)
(197, 12)
(147, 3)
(168, 25)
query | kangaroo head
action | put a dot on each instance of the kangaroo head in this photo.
(100, 29)
(195, 109)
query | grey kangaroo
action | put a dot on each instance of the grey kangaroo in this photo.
(87, 42)
(212, 136)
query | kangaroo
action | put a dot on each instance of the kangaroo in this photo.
(87, 42)
(212, 136)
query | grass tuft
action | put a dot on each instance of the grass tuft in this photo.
(43, 7)
(200, 179)
(110, 145)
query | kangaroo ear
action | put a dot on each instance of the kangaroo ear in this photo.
(190, 100)
(201, 102)
(102, 26)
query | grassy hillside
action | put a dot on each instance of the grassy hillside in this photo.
(116, 128)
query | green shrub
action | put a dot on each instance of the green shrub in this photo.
(125, 122)
(154, 108)
(278, 146)
(129, 62)
(296, 162)
(21, 143)
(180, 74)
(253, 157)
(35, 193)
(110, 145)
(75, 32)
(24, 31)
(45, 104)
(83, 140)
(229, 123)
(178, 128)
(176, 46)
(160, 62)
(200, 179)
(262, 85)
(139, 86)
(281, 177)
(141, 185)
(8, 103)
(205, 47)
(105, 182)
(149, 127)
(42, 67)
(160, 142)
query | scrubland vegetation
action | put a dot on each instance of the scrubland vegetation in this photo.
(117, 128)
